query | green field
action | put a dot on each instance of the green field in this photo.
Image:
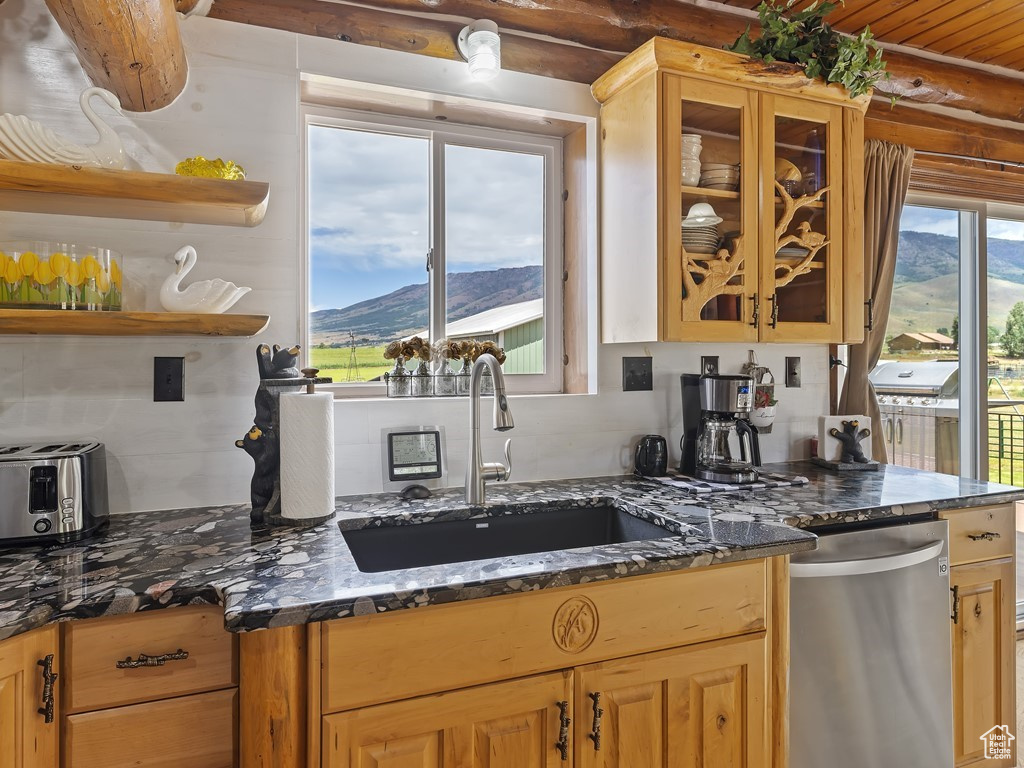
(335, 362)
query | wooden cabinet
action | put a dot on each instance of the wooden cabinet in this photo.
(682, 682)
(788, 263)
(982, 630)
(700, 707)
(29, 738)
(155, 689)
(515, 724)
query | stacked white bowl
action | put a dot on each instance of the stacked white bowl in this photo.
(720, 176)
(691, 146)
(701, 239)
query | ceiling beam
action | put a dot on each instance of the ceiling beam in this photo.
(601, 31)
(130, 47)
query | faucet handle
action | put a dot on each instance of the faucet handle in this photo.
(508, 459)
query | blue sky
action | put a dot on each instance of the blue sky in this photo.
(369, 212)
(942, 221)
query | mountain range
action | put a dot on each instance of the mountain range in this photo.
(405, 311)
(926, 288)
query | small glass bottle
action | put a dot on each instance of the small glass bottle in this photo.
(445, 384)
(398, 380)
(422, 381)
(463, 377)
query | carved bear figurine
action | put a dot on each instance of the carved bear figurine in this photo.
(262, 446)
(277, 363)
(850, 439)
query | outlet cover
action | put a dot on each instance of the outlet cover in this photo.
(168, 379)
(637, 374)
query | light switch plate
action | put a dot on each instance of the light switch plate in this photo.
(168, 379)
(793, 372)
(637, 375)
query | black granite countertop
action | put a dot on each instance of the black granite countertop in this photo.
(283, 576)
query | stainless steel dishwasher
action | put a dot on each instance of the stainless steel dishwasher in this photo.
(871, 670)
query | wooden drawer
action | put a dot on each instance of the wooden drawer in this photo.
(372, 659)
(197, 731)
(92, 649)
(978, 523)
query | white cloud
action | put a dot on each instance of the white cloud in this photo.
(939, 221)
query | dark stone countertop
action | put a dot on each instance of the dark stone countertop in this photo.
(284, 576)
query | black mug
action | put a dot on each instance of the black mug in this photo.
(651, 457)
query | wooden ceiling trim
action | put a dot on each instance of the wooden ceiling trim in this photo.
(605, 30)
(1013, 57)
(982, 46)
(956, 20)
(912, 20)
(855, 17)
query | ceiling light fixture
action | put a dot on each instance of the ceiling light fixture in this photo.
(480, 45)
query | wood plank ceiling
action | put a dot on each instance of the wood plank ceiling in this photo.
(984, 31)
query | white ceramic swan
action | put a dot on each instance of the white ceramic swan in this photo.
(209, 297)
(31, 141)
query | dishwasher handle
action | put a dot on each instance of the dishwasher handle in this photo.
(868, 564)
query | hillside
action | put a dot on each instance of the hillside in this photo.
(924, 256)
(927, 306)
(404, 311)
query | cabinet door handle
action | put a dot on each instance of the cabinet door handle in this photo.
(562, 745)
(774, 299)
(151, 661)
(986, 536)
(49, 678)
(888, 431)
(755, 317)
(955, 589)
(870, 304)
(596, 727)
(899, 431)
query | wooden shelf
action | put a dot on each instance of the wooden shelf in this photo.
(46, 322)
(46, 188)
(722, 194)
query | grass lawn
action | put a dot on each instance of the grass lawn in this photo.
(335, 362)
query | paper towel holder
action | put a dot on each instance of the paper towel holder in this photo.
(262, 442)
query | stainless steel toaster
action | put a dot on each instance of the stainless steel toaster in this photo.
(52, 492)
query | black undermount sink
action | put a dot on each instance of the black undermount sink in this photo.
(395, 547)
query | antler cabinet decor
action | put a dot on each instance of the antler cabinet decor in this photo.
(789, 263)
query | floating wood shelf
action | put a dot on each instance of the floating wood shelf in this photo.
(723, 194)
(46, 188)
(47, 322)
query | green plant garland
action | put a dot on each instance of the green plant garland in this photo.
(805, 38)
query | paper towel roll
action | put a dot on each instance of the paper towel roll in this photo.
(307, 455)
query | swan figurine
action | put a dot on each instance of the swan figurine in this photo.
(209, 297)
(31, 141)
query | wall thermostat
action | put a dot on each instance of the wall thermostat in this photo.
(413, 456)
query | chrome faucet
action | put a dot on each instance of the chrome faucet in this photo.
(477, 472)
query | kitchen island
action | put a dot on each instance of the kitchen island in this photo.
(332, 654)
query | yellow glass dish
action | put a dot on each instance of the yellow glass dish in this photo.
(210, 169)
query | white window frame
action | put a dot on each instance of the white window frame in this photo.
(442, 135)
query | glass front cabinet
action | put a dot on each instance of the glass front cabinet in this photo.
(732, 201)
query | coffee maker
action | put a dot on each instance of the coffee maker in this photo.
(719, 443)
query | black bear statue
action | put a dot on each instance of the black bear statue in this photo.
(850, 439)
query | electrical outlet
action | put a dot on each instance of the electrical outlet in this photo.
(637, 374)
(709, 365)
(793, 372)
(168, 379)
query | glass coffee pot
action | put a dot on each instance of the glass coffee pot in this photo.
(727, 450)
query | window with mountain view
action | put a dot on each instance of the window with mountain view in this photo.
(403, 217)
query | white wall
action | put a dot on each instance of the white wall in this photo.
(241, 103)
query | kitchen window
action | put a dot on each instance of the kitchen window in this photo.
(422, 228)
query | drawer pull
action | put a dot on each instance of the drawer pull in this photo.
(986, 536)
(151, 661)
(562, 745)
(596, 727)
(955, 616)
(49, 678)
